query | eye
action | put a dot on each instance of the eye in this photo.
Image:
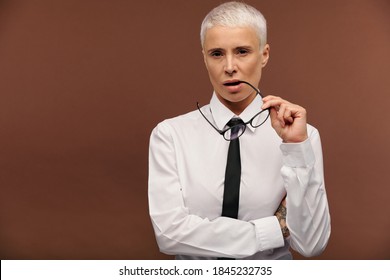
(242, 51)
(216, 53)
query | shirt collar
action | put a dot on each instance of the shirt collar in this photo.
(222, 115)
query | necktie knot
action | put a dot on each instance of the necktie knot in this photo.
(234, 121)
(237, 128)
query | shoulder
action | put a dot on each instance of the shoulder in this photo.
(179, 123)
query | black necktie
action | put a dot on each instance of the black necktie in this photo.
(231, 193)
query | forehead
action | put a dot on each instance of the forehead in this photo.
(230, 37)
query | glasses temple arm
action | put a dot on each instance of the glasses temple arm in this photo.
(257, 91)
(219, 131)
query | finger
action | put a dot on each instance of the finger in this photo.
(270, 101)
(296, 111)
(274, 117)
(273, 102)
(269, 97)
(287, 116)
(273, 113)
(281, 113)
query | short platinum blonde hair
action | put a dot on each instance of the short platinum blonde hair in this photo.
(235, 14)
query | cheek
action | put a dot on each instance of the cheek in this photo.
(213, 71)
(256, 65)
(254, 68)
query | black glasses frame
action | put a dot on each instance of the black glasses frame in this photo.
(242, 125)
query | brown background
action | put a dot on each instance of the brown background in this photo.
(83, 83)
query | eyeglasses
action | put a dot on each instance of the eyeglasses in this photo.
(237, 130)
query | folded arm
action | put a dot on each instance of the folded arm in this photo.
(180, 232)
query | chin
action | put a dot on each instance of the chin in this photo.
(236, 97)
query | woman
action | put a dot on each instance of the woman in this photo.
(250, 190)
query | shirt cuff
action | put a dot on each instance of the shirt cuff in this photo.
(268, 233)
(298, 154)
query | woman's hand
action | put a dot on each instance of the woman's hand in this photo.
(288, 120)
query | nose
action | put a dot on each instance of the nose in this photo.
(230, 66)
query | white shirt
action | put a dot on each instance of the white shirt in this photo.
(187, 161)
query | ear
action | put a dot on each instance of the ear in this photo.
(265, 55)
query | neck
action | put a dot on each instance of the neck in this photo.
(237, 107)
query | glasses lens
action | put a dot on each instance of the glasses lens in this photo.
(260, 118)
(234, 132)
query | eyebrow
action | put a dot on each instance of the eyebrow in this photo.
(244, 47)
(221, 49)
(214, 49)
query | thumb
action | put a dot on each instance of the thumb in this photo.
(274, 117)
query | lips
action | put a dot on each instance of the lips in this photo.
(232, 86)
(232, 83)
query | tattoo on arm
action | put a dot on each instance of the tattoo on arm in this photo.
(281, 213)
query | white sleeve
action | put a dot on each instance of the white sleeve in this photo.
(308, 218)
(179, 232)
